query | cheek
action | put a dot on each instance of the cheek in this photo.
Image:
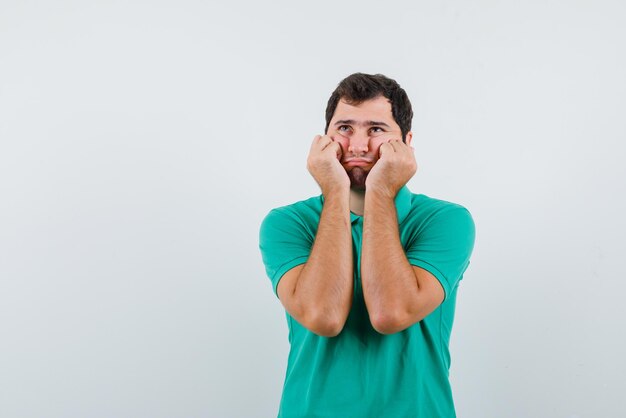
(342, 141)
(377, 143)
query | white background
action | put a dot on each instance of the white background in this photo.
(142, 143)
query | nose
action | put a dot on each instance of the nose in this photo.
(359, 144)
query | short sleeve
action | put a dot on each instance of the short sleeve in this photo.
(443, 245)
(285, 242)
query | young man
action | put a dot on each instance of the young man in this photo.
(367, 271)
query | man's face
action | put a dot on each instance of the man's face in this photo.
(360, 130)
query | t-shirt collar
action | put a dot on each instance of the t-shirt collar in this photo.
(402, 201)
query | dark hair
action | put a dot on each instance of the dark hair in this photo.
(359, 87)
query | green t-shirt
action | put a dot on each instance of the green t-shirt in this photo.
(361, 373)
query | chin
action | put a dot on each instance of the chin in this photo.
(357, 178)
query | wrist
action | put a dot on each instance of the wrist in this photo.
(337, 191)
(381, 192)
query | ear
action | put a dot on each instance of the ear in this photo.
(409, 138)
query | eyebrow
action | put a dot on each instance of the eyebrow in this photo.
(365, 123)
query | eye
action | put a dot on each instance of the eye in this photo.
(344, 128)
(376, 129)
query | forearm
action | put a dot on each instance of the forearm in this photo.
(325, 285)
(389, 282)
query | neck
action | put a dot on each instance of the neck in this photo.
(357, 201)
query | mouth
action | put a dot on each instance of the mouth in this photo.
(357, 162)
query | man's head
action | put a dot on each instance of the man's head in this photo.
(359, 87)
(364, 112)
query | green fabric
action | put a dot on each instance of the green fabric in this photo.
(361, 373)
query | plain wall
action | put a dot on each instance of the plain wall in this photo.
(142, 143)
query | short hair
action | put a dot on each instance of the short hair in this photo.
(359, 87)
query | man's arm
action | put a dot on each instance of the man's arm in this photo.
(397, 295)
(318, 294)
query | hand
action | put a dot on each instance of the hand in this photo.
(394, 168)
(323, 164)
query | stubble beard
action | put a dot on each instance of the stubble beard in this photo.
(357, 178)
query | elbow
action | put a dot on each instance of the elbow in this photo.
(328, 331)
(325, 325)
(390, 322)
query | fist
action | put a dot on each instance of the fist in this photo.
(324, 164)
(394, 168)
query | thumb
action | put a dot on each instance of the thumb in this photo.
(383, 149)
(336, 147)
